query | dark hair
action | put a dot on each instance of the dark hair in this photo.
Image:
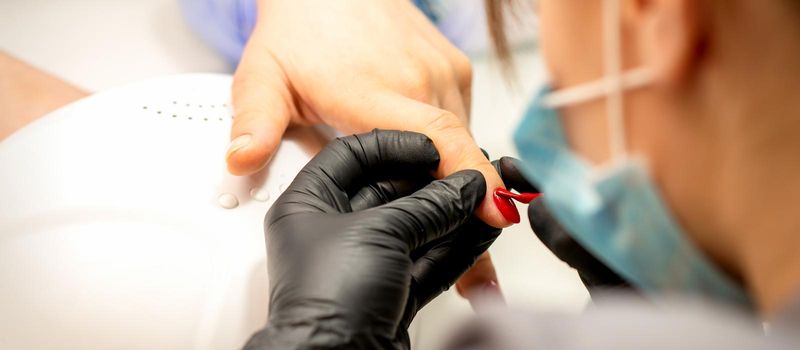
(495, 15)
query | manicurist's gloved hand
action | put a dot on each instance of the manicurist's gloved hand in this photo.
(594, 274)
(363, 238)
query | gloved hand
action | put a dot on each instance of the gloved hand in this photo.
(363, 238)
(594, 274)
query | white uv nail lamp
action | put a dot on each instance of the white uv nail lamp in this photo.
(113, 233)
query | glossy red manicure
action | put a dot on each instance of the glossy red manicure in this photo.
(506, 207)
(519, 197)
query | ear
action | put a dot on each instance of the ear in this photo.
(670, 36)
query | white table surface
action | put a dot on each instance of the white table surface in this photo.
(97, 44)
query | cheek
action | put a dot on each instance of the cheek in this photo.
(586, 129)
(571, 45)
(570, 38)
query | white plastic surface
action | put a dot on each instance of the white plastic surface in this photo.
(111, 234)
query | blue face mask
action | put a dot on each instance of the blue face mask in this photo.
(617, 214)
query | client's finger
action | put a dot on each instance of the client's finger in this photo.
(480, 280)
(263, 108)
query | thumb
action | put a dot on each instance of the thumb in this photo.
(435, 210)
(262, 110)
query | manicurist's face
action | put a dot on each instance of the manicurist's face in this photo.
(571, 43)
(671, 121)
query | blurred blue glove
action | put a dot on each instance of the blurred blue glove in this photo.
(225, 25)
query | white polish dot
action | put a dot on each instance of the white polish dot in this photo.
(259, 194)
(228, 201)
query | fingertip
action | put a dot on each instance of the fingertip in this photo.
(538, 213)
(491, 214)
(406, 147)
(469, 188)
(263, 108)
(480, 284)
(482, 272)
(489, 211)
(474, 183)
(247, 154)
(505, 163)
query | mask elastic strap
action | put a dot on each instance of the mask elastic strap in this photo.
(612, 55)
(632, 79)
(612, 86)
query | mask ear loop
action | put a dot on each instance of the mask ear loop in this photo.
(634, 79)
(612, 85)
(612, 55)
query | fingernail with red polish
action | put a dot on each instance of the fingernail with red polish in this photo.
(524, 198)
(506, 207)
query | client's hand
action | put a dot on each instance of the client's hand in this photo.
(363, 238)
(354, 65)
(357, 65)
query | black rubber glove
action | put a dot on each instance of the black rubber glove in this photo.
(594, 274)
(356, 246)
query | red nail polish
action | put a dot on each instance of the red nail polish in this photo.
(506, 207)
(520, 197)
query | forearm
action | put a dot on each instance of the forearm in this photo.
(27, 93)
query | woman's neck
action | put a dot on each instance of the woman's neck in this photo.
(758, 123)
(764, 210)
